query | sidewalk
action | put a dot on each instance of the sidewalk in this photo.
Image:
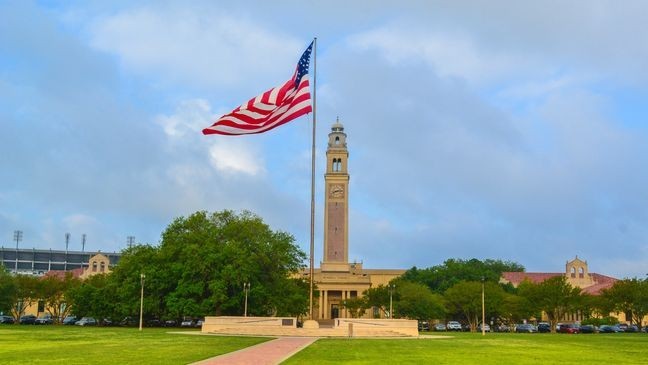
(267, 353)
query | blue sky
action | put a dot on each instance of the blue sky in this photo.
(512, 130)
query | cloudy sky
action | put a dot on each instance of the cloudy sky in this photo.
(512, 130)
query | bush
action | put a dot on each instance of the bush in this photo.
(601, 321)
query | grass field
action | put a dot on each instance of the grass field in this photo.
(109, 345)
(496, 349)
(112, 345)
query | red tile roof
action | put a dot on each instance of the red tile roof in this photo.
(61, 273)
(516, 278)
(601, 282)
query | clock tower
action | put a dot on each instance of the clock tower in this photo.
(336, 202)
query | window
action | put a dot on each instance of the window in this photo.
(41, 306)
(573, 272)
(581, 272)
(337, 164)
(94, 266)
(337, 140)
(102, 267)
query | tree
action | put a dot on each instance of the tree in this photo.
(417, 301)
(554, 296)
(28, 290)
(202, 262)
(55, 293)
(95, 297)
(441, 277)
(631, 297)
(7, 290)
(465, 299)
(378, 297)
(515, 308)
(356, 306)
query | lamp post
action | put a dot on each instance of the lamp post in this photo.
(483, 325)
(391, 302)
(142, 276)
(246, 289)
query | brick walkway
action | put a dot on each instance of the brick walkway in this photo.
(267, 353)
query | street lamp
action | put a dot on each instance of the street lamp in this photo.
(483, 326)
(142, 276)
(246, 289)
(391, 303)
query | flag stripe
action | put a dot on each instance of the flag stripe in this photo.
(271, 109)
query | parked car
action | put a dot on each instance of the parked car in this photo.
(187, 323)
(27, 319)
(86, 321)
(525, 328)
(7, 320)
(423, 325)
(439, 327)
(44, 319)
(153, 323)
(544, 327)
(70, 320)
(128, 322)
(486, 328)
(569, 328)
(502, 328)
(588, 328)
(200, 322)
(631, 328)
(609, 329)
(171, 323)
(454, 326)
(107, 322)
(465, 327)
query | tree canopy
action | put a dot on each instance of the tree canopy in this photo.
(199, 269)
(439, 278)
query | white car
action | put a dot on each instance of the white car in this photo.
(453, 326)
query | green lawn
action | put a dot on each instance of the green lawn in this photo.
(496, 349)
(109, 345)
(112, 345)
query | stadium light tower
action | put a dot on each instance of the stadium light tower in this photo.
(18, 236)
(130, 240)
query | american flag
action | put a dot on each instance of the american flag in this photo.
(271, 109)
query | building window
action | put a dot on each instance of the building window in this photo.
(41, 306)
(102, 267)
(376, 312)
(337, 140)
(94, 266)
(573, 272)
(581, 273)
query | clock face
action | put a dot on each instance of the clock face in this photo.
(336, 191)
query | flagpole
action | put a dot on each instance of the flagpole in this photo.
(312, 222)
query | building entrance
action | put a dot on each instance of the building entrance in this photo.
(335, 311)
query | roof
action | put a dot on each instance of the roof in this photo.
(601, 282)
(61, 273)
(516, 278)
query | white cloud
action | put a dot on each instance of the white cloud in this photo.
(191, 116)
(200, 46)
(449, 54)
(236, 156)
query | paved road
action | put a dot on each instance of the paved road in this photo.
(267, 353)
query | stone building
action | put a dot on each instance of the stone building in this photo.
(337, 279)
(576, 272)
